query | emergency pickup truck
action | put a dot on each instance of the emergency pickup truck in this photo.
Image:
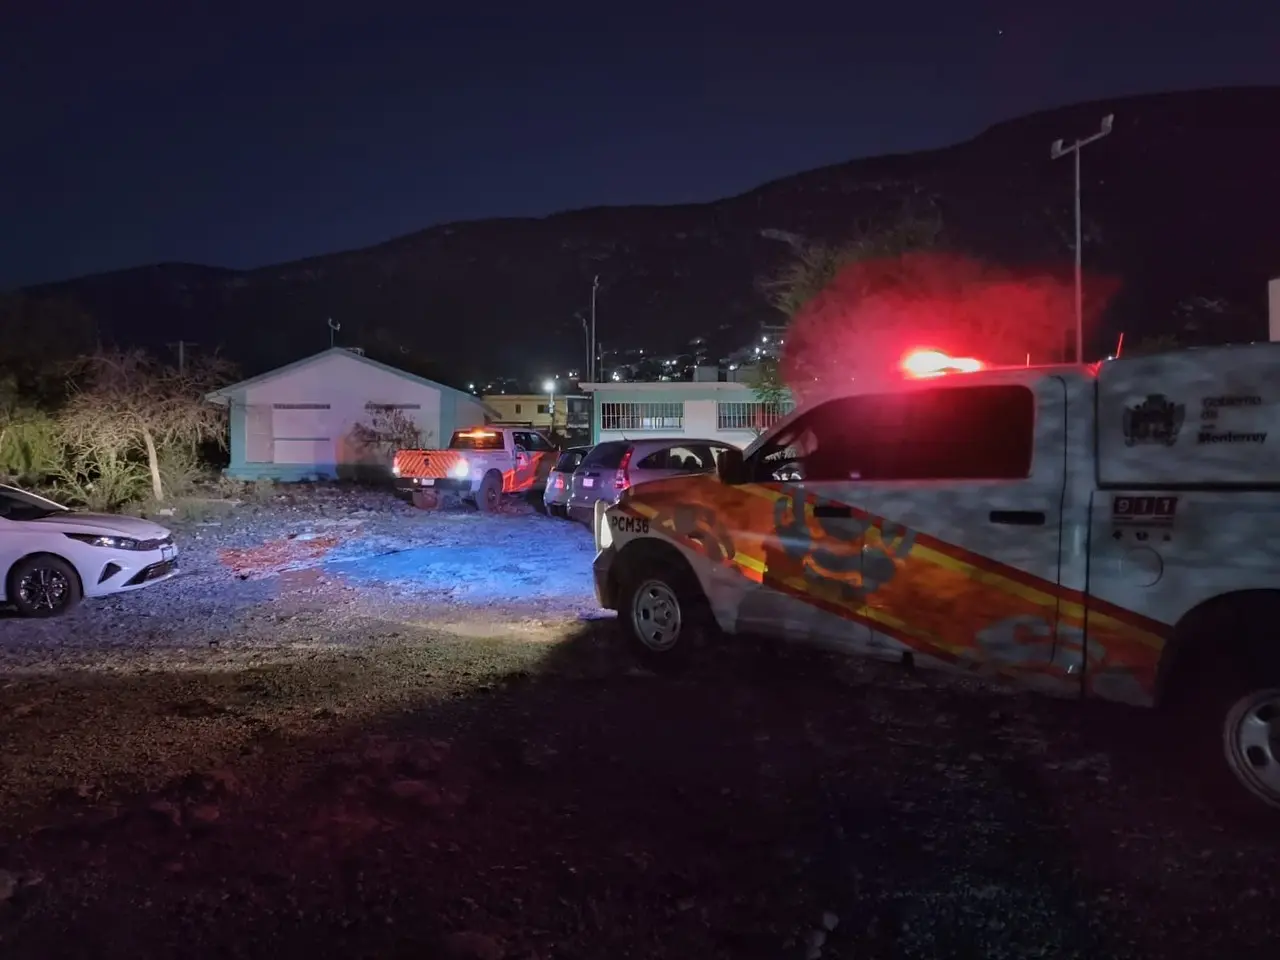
(480, 466)
(1107, 532)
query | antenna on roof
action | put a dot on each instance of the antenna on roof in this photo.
(333, 331)
(1120, 344)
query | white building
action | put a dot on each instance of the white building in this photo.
(709, 410)
(299, 422)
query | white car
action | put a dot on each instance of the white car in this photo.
(51, 557)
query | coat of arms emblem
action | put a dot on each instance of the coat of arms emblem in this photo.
(1156, 419)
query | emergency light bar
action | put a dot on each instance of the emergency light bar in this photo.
(935, 363)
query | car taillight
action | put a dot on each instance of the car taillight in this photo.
(622, 479)
(559, 481)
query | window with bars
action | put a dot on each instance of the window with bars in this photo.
(750, 415)
(642, 416)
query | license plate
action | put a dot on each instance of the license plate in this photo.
(428, 482)
(588, 481)
(167, 553)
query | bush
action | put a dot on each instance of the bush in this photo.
(29, 448)
(181, 471)
(100, 482)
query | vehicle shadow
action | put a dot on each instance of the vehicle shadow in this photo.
(759, 802)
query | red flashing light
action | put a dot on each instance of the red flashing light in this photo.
(622, 480)
(935, 363)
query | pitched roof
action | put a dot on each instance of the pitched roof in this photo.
(223, 395)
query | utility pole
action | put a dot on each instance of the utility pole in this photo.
(1056, 150)
(333, 332)
(595, 285)
(586, 338)
(182, 353)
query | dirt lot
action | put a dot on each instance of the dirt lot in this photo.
(354, 730)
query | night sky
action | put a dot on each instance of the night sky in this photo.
(135, 133)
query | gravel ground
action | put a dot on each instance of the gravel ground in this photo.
(352, 729)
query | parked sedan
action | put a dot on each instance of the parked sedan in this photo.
(615, 465)
(556, 495)
(51, 556)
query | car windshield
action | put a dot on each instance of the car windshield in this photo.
(17, 505)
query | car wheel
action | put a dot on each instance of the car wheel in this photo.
(664, 611)
(44, 586)
(489, 496)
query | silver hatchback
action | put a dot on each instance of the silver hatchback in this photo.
(615, 465)
(556, 495)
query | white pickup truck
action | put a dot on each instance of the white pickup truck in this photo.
(1109, 531)
(481, 465)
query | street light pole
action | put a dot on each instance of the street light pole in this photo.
(550, 386)
(1056, 150)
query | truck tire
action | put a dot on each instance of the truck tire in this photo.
(663, 611)
(1236, 711)
(489, 496)
(1226, 700)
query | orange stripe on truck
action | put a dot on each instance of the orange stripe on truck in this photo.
(745, 527)
(426, 463)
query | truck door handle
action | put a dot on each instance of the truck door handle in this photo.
(1018, 518)
(832, 510)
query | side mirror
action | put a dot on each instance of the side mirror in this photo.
(730, 468)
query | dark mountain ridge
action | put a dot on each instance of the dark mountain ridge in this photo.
(1179, 201)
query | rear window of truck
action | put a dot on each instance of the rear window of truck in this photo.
(476, 440)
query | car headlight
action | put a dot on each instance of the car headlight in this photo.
(114, 543)
(460, 470)
(395, 469)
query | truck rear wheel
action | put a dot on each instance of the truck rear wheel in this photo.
(489, 496)
(1250, 743)
(1227, 700)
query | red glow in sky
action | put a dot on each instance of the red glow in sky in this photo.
(931, 311)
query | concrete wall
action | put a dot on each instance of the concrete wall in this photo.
(301, 424)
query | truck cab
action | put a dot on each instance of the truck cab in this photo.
(1106, 531)
(481, 466)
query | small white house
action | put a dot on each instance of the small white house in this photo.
(299, 422)
(708, 410)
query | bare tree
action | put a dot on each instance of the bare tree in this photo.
(818, 265)
(389, 429)
(798, 286)
(125, 405)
